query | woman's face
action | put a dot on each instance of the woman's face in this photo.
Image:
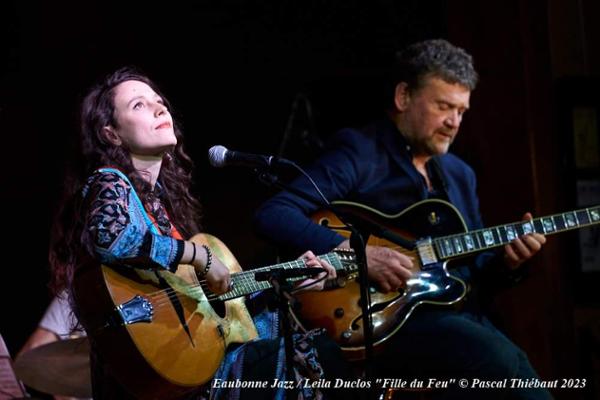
(144, 124)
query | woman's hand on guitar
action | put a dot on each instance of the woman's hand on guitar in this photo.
(218, 277)
(316, 283)
(388, 268)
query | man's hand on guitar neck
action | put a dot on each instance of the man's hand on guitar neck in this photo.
(387, 267)
(523, 248)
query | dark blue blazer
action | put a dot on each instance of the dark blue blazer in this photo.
(372, 166)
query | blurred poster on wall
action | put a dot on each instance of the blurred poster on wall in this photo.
(588, 194)
(585, 134)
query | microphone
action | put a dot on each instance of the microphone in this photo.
(286, 273)
(219, 156)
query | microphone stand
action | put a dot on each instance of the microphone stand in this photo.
(358, 244)
(282, 287)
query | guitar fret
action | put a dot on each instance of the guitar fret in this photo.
(439, 249)
(480, 241)
(458, 245)
(545, 226)
(497, 235)
(594, 214)
(583, 216)
(477, 239)
(464, 243)
(455, 249)
(448, 247)
(538, 227)
(488, 237)
(527, 227)
(512, 232)
(587, 212)
(548, 224)
(503, 233)
(441, 243)
(571, 219)
(559, 222)
(522, 228)
(445, 249)
(470, 246)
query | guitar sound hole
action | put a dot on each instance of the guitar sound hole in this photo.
(219, 307)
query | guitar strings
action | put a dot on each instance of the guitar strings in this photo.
(240, 278)
(174, 294)
(245, 279)
(165, 296)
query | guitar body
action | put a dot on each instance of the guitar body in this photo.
(338, 310)
(175, 339)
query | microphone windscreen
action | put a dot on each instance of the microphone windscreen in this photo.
(216, 156)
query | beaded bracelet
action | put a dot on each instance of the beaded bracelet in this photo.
(193, 253)
(208, 259)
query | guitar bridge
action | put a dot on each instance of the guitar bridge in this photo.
(138, 309)
(426, 251)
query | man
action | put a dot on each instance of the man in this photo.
(391, 165)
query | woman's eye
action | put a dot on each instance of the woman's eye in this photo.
(138, 105)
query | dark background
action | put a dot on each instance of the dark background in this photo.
(232, 70)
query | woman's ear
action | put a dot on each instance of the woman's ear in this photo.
(111, 136)
(401, 96)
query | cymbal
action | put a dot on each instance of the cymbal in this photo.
(60, 368)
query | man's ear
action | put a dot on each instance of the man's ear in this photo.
(111, 136)
(401, 96)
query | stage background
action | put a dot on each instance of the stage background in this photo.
(234, 70)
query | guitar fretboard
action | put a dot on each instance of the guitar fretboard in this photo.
(470, 242)
(244, 283)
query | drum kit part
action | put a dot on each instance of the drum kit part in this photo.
(59, 368)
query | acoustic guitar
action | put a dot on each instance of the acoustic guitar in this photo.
(439, 234)
(164, 334)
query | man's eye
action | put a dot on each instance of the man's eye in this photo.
(138, 105)
(443, 106)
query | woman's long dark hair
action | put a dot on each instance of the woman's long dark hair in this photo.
(69, 244)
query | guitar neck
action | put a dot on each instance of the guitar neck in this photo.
(244, 283)
(452, 246)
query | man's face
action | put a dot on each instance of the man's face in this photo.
(431, 115)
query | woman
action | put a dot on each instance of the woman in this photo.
(132, 206)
